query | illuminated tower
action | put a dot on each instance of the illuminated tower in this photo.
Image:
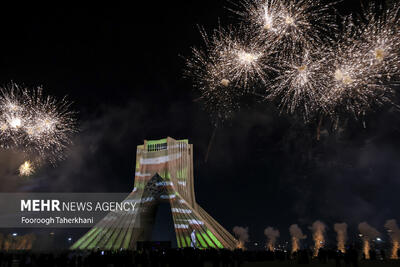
(164, 172)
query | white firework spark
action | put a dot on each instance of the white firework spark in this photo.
(35, 123)
(289, 24)
(12, 117)
(349, 77)
(364, 65)
(315, 69)
(350, 88)
(381, 43)
(51, 125)
(300, 84)
(228, 68)
(26, 169)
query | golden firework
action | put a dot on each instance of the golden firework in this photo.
(34, 123)
(26, 169)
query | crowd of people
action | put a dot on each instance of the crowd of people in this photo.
(179, 258)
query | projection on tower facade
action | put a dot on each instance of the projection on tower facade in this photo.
(164, 173)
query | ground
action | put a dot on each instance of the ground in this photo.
(314, 264)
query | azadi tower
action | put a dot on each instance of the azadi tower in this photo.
(164, 172)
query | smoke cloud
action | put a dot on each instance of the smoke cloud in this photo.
(272, 234)
(23, 242)
(394, 233)
(341, 236)
(318, 229)
(368, 233)
(297, 235)
(242, 234)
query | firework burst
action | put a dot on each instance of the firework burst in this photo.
(381, 43)
(350, 86)
(300, 84)
(49, 130)
(227, 69)
(26, 169)
(365, 64)
(12, 117)
(292, 51)
(289, 24)
(37, 124)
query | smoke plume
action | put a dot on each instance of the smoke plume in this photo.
(318, 229)
(394, 233)
(23, 242)
(272, 234)
(242, 234)
(297, 235)
(341, 231)
(367, 233)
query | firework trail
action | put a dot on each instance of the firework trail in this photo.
(367, 233)
(242, 234)
(210, 143)
(297, 235)
(318, 229)
(36, 124)
(394, 233)
(341, 231)
(272, 234)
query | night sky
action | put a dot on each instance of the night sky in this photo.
(122, 67)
